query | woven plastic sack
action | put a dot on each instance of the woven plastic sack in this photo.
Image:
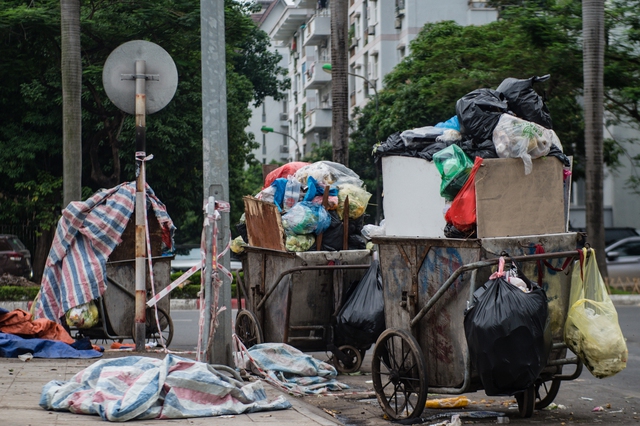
(83, 316)
(592, 331)
(454, 167)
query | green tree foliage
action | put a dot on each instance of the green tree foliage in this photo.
(30, 104)
(530, 38)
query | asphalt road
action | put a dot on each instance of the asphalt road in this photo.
(619, 396)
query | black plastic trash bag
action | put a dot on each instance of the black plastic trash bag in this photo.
(394, 145)
(479, 112)
(524, 101)
(361, 319)
(485, 149)
(508, 336)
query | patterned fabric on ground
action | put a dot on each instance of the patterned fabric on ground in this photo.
(141, 388)
(87, 233)
(298, 372)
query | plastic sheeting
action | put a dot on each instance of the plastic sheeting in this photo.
(140, 388)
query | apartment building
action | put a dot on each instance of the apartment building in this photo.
(380, 33)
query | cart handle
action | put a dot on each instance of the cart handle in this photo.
(481, 264)
(306, 268)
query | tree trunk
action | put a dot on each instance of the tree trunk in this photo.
(71, 67)
(593, 51)
(339, 82)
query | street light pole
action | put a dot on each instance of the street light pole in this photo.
(265, 130)
(327, 68)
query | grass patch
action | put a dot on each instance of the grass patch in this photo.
(11, 293)
(192, 287)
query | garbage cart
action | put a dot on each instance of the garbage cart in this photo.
(428, 284)
(293, 298)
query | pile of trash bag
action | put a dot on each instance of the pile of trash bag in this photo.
(312, 198)
(511, 121)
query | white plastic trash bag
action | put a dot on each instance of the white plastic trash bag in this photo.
(514, 137)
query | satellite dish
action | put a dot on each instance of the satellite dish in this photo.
(120, 67)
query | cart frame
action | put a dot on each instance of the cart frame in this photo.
(410, 379)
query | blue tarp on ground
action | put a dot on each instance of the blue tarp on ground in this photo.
(11, 346)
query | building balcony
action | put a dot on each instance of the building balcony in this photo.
(316, 78)
(317, 31)
(318, 119)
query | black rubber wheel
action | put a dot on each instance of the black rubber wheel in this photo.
(353, 363)
(546, 392)
(248, 329)
(152, 333)
(526, 402)
(399, 374)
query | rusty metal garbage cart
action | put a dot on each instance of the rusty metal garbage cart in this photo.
(116, 307)
(427, 286)
(293, 298)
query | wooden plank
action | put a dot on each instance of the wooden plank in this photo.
(510, 203)
(264, 225)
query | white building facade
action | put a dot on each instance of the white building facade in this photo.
(380, 33)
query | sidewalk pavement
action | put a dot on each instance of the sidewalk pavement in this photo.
(21, 385)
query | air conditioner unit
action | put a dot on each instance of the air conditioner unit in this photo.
(283, 116)
(373, 52)
(371, 30)
(295, 55)
(398, 24)
(284, 149)
(354, 42)
(323, 43)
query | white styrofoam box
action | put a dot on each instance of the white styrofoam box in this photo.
(412, 203)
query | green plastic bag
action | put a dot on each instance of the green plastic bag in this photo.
(592, 331)
(454, 167)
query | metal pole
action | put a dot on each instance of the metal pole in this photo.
(141, 276)
(215, 154)
(208, 262)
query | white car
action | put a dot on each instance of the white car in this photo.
(623, 258)
(183, 262)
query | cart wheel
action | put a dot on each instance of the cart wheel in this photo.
(248, 328)
(353, 362)
(399, 374)
(546, 392)
(152, 334)
(526, 402)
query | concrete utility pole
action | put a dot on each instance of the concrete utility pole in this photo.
(339, 81)
(215, 157)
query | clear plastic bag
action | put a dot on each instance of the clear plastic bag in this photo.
(328, 173)
(454, 167)
(417, 138)
(306, 218)
(514, 137)
(83, 316)
(370, 231)
(299, 242)
(358, 200)
(291, 193)
(592, 331)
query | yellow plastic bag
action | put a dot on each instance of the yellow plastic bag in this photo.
(83, 316)
(238, 245)
(592, 331)
(455, 402)
(358, 200)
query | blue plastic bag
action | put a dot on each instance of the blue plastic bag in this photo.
(306, 218)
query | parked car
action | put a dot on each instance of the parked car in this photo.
(613, 234)
(186, 257)
(15, 258)
(623, 258)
